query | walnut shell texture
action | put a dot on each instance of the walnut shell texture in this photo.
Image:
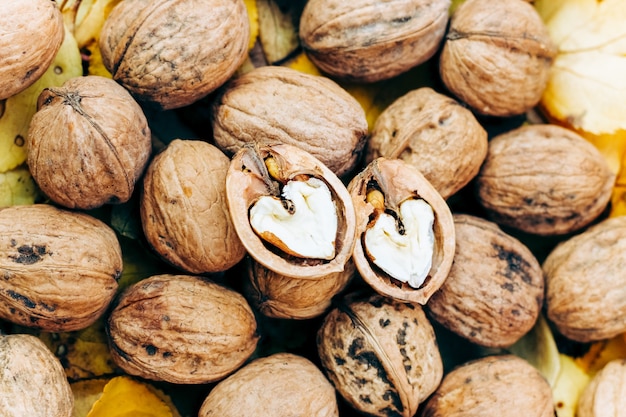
(585, 283)
(497, 56)
(369, 40)
(172, 53)
(494, 292)
(281, 105)
(605, 395)
(59, 268)
(279, 385)
(184, 211)
(32, 380)
(380, 354)
(88, 143)
(544, 179)
(492, 386)
(434, 133)
(30, 36)
(181, 329)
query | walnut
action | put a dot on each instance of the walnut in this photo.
(405, 232)
(184, 211)
(181, 329)
(279, 385)
(172, 53)
(497, 56)
(492, 386)
(605, 395)
(585, 283)
(30, 36)
(88, 143)
(493, 294)
(435, 134)
(369, 40)
(281, 105)
(544, 179)
(32, 380)
(60, 268)
(380, 354)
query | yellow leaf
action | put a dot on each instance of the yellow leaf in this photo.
(86, 393)
(253, 16)
(90, 19)
(17, 187)
(96, 66)
(601, 353)
(570, 383)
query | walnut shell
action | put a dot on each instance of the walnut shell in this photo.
(181, 329)
(279, 385)
(30, 36)
(60, 268)
(246, 182)
(279, 104)
(492, 386)
(544, 179)
(585, 282)
(605, 395)
(172, 53)
(399, 182)
(369, 40)
(183, 208)
(435, 134)
(380, 354)
(32, 380)
(494, 292)
(88, 143)
(497, 56)
(282, 297)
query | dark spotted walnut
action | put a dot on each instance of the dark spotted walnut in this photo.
(380, 354)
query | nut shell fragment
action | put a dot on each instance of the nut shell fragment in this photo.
(605, 395)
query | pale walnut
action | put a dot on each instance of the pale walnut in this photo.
(369, 40)
(605, 395)
(183, 207)
(497, 56)
(435, 134)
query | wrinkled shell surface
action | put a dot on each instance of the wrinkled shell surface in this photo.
(381, 355)
(493, 386)
(281, 105)
(497, 56)
(544, 179)
(59, 268)
(435, 134)
(172, 53)
(88, 143)
(605, 395)
(184, 211)
(585, 282)
(494, 292)
(280, 385)
(30, 36)
(245, 184)
(181, 329)
(400, 181)
(32, 380)
(370, 40)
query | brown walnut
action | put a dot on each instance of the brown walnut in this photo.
(88, 143)
(605, 395)
(59, 268)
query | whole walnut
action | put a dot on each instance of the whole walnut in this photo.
(279, 385)
(181, 329)
(369, 40)
(585, 283)
(184, 211)
(172, 53)
(88, 143)
(493, 294)
(275, 104)
(497, 56)
(492, 386)
(544, 179)
(32, 380)
(30, 36)
(380, 354)
(59, 268)
(605, 395)
(435, 134)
